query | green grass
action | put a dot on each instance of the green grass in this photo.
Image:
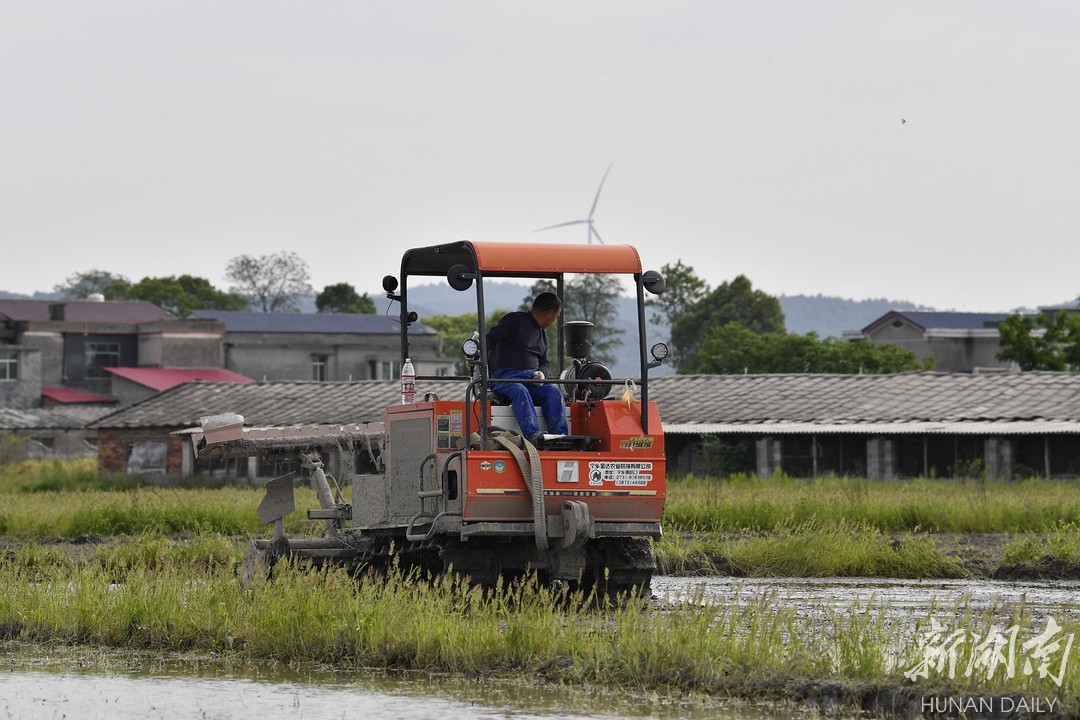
(736, 645)
(42, 498)
(959, 506)
(812, 549)
(1061, 542)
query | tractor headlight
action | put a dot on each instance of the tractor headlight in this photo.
(659, 351)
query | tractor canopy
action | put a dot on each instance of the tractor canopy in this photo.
(520, 259)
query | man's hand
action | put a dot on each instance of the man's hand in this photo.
(538, 375)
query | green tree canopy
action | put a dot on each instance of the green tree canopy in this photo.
(733, 349)
(82, 285)
(179, 295)
(1044, 342)
(343, 298)
(684, 290)
(732, 302)
(454, 330)
(593, 297)
(272, 283)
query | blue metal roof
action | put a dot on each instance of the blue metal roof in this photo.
(322, 323)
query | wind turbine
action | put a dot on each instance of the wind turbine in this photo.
(588, 220)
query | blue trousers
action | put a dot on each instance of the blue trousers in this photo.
(523, 397)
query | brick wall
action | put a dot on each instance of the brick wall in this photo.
(113, 444)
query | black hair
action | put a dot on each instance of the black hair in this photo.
(547, 301)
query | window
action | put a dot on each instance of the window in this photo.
(100, 356)
(9, 365)
(383, 370)
(147, 457)
(318, 367)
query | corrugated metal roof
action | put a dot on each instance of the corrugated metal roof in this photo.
(85, 311)
(932, 402)
(322, 323)
(274, 403)
(67, 417)
(165, 378)
(849, 399)
(1028, 427)
(69, 395)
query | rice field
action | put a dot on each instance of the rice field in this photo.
(161, 574)
(167, 597)
(955, 505)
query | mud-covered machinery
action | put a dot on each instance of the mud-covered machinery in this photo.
(454, 484)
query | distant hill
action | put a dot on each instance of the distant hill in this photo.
(831, 316)
(36, 296)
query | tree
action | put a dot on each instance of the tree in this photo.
(82, 285)
(179, 295)
(272, 283)
(454, 330)
(733, 349)
(732, 302)
(343, 298)
(593, 297)
(684, 289)
(1044, 342)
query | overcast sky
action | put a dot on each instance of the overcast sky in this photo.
(923, 151)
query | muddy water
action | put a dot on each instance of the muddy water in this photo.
(37, 682)
(899, 599)
(47, 683)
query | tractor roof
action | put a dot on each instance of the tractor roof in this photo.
(528, 259)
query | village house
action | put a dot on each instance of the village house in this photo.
(959, 342)
(323, 346)
(69, 344)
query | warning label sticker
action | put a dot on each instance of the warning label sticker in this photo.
(623, 474)
(568, 471)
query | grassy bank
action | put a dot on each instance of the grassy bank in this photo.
(69, 499)
(954, 505)
(743, 646)
(812, 549)
(742, 526)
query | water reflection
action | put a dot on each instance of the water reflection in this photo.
(900, 598)
(86, 684)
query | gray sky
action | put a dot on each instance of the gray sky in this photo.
(762, 138)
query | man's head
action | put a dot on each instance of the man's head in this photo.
(546, 308)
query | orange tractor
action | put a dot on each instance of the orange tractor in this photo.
(455, 485)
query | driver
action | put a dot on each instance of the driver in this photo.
(518, 347)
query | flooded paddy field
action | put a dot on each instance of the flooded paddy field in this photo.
(900, 599)
(39, 682)
(51, 681)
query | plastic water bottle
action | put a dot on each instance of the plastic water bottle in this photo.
(408, 383)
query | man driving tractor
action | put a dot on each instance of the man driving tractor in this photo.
(518, 346)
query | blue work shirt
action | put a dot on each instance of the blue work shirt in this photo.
(518, 342)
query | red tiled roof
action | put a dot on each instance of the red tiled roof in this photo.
(67, 396)
(85, 311)
(165, 378)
